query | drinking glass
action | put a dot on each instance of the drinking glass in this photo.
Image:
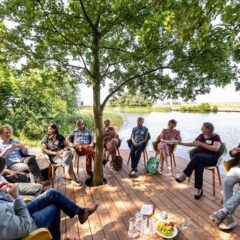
(132, 230)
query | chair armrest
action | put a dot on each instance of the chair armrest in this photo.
(229, 164)
(39, 234)
(27, 200)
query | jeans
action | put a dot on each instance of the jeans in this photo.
(136, 154)
(197, 163)
(231, 201)
(45, 211)
(27, 164)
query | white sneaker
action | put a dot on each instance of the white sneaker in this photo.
(227, 223)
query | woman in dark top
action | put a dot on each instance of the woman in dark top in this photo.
(56, 147)
(206, 154)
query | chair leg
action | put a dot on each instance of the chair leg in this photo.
(53, 176)
(128, 158)
(171, 162)
(144, 158)
(219, 176)
(174, 160)
(49, 171)
(213, 178)
(146, 154)
(77, 159)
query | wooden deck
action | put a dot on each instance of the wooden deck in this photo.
(122, 197)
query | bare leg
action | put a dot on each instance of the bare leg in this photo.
(162, 161)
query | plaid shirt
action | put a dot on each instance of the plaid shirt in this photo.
(82, 137)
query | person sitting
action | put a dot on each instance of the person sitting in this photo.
(16, 155)
(139, 139)
(19, 219)
(25, 188)
(164, 148)
(82, 140)
(111, 141)
(206, 154)
(223, 217)
(56, 147)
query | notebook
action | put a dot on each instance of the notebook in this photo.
(147, 209)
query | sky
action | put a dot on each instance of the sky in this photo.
(217, 95)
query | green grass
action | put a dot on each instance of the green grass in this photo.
(85, 114)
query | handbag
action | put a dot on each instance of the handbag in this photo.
(152, 165)
(117, 163)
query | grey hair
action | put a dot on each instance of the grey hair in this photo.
(140, 119)
(9, 127)
(79, 121)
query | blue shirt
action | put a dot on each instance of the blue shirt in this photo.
(139, 133)
(13, 155)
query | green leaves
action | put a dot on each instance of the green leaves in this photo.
(196, 42)
(32, 100)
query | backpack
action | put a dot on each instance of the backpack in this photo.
(117, 163)
(152, 165)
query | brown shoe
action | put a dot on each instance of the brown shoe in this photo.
(88, 211)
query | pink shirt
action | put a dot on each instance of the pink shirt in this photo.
(170, 134)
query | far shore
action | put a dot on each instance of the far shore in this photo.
(219, 107)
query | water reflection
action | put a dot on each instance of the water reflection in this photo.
(226, 125)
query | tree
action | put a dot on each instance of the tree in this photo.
(133, 44)
(130, 100)
(30, 101)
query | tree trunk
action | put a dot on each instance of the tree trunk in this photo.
(98, 165)
(97, 110)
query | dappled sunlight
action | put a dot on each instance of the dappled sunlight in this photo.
(122, 197)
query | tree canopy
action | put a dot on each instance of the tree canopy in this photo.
(137, 42)
(130, 100)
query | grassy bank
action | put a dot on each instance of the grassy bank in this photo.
(198, 108)
(87, 116)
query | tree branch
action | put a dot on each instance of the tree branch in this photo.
(86, 15)
(115, 49)
(128, 80)
(64, 37)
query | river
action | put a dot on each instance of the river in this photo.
(226, 125)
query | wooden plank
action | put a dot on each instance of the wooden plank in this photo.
(122, 197)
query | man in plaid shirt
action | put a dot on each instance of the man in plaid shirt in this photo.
(82, 140)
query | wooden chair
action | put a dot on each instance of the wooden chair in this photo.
(172, 155)
(145, 157)
(39, 234)
(52, 169)
(230, 163)
(223, 152)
